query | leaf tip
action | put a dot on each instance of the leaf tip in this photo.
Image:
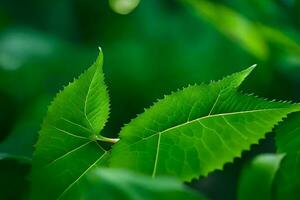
(253, 66)
(100, 56)
(250, 69)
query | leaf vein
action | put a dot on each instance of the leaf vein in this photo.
(66, 154)
(156, 156)
(71, 185)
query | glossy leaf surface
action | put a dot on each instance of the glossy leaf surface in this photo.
(67, 148)
(197, 130)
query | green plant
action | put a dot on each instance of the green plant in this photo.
(187, 135)
(280, 172)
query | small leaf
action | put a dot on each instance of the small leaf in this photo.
(258, 177)
(197, 130)
(287, 181)
(67, 148)
(115, 184)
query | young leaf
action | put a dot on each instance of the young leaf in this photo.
(67, 148)
(258, 177)
(115, 184)
(196, 130)
(287, 181)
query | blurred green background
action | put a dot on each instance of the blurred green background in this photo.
(161, 46)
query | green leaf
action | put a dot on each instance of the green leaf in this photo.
(115, 184)
(258, 176)
(250, 35)
(196, 130)
(233, 25)
(288, 135)
(22, 159)
(287, 181)
(67, 148)
(123, 7)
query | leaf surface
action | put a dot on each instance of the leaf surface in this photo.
(258, 176)
(287, 181)
(67, 148)
(197, 130)
(115, 184)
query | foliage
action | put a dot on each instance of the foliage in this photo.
(197, 130)
(187, 134)
(152, 48)
(276, 176)
(287, 181)
(258, 176)
(119, 184)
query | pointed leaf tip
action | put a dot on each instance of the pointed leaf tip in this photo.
(248, 71)
(236, 79)
(241, 76)
(100, 49)
(253, 66)
(99, 59)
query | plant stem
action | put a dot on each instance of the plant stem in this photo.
(106, 139)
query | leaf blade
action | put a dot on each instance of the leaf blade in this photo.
(287, 180)
(168, 138)
(258, 176)
(67, 148)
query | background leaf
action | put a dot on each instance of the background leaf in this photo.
(250, 35)
(257, 178)
(233, 25)
(115, 184)
(287, 182)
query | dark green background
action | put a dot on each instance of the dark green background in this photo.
(161, 46)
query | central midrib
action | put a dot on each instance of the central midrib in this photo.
(192, 121)
(206, 117)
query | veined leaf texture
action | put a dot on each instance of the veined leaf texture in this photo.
(188, 134)
(197, 130)
(67, 148)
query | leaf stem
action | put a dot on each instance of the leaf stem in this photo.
(106, 139)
